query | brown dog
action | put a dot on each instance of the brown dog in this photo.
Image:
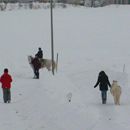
(116, 92)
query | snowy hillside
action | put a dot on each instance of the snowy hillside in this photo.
(87, 40)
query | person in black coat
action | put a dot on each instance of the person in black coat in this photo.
(103, 83)
(40, 53)
(36, 66)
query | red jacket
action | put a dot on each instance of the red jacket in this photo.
(6, 80)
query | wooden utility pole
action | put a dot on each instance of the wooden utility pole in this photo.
(52, 41)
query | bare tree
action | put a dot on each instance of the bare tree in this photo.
(92, 3)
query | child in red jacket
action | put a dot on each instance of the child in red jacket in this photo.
(6, 80)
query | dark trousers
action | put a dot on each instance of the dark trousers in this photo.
(104, 96)
(36, 73)
(6, 95)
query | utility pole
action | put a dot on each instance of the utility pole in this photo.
(52, 41)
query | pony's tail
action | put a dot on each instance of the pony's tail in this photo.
(56, 62)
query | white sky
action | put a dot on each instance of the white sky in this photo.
(87, 40)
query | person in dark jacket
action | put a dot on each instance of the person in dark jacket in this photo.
(36, 66)
(103, 83)
(40, 53)
(6, 80)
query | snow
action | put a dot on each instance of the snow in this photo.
(87, 40)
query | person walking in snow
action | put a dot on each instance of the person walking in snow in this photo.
(6, 80)
(103, 83)
(36, 66)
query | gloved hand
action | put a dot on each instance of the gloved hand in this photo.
(94, 86)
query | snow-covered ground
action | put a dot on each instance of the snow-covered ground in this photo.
(87, 40)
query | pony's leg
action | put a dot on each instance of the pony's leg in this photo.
(114, 99)
(118, 99)
(49, 67)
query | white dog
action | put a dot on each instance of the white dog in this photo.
(116, 92)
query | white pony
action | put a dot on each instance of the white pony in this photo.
(45, 63)
(116, 92)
